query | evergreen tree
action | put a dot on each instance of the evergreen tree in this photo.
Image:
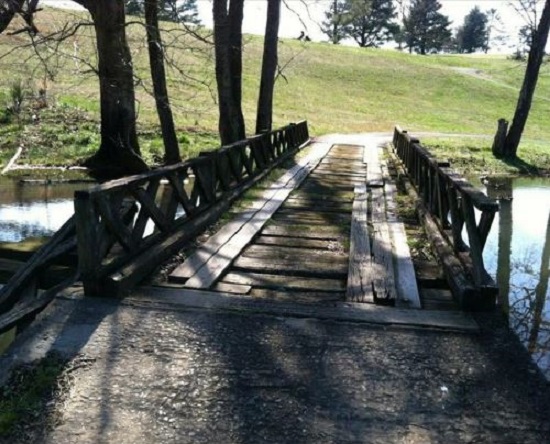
(472, 35)
(179, 11)
(185, 11)
(426, 29)
(370, 21)
(335, 25)
(134, 7)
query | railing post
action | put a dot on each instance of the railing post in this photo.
(87, 227)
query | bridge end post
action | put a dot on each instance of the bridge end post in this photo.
(87, 222)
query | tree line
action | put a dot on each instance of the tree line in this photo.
(420, 26)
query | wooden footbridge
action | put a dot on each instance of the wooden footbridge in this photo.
(323, 239)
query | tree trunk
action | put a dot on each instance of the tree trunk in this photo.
(8, 9)
(540, 293)
(228, 70)
(523, 106)
(236, 11)
(505, 194)
(500, 138)
(158, 75)
(119, 153)
(264, 118)
(335, 38)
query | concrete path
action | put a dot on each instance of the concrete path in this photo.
(151, 373)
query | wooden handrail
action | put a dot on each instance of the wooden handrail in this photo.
(169, 204)
(451, 200)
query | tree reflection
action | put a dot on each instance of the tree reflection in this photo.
(527, 302)
(503, 191)
(539, 338)
(523, 283)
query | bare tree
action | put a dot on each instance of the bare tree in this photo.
(528, 11)
(119, 152)
(158, 75)
(264, 118)
(25, 8)
(228, 52)
(509, 148)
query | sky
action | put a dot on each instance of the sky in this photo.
(298, 15)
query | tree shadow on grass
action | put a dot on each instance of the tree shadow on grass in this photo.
(522, 166)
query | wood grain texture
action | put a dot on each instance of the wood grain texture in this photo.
(359, 287)
(209, 271)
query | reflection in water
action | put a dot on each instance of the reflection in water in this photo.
(33, 210)
(518, 254)
(18, 222)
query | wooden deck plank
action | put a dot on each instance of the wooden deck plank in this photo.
(336, 311)
(308, 217)
(297, 296)
(359, 286)
(278, 281)
(304, 231)
(405, 279)
(208, 273)
(226, 287)
(382, 261)
(291, 267)
(296, 242)
(211, 247)
(327, 207)
(277, 252)
(374, 172)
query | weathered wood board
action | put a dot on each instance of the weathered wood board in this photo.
(382, 261)
(206, 269)
(277, 281)
(337, 311)
(405, 279)
(359, 287)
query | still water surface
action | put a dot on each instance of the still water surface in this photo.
(517, 253)
(33, 210)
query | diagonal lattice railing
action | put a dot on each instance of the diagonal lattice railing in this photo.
(126, 227)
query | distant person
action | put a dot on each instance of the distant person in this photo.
(304, 37)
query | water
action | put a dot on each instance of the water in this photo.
(33, 210)
(517, 255)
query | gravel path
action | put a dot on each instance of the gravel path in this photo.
(173, 375)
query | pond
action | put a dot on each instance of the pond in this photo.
(34, 209)
(517, 255)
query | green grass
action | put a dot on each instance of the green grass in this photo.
(336, 88)
(23, 398)
(473, 156)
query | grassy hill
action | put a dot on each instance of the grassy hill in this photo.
(336, 88)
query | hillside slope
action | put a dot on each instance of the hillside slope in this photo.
(337, 88)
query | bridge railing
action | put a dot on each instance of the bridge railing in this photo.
(127, 227)
(452, 201)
